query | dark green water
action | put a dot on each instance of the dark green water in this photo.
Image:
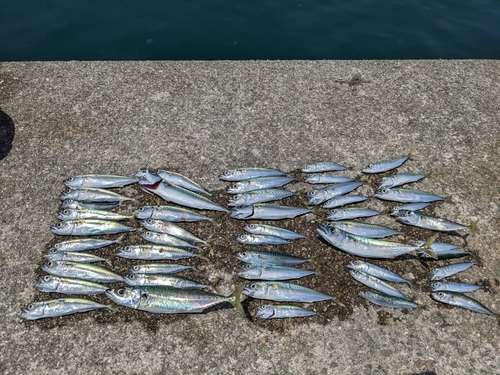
(252, 29)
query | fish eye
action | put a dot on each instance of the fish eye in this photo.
(226, 173)
(244, 254)
(370, 166)
(68, 191)
(53, 251)
(131, 277)
(59, 225)
(252, 226)
(441, 294)
(120, 292)
(135, 268)
(149, 221)
(46, 278)
(140, 209)
(126, 248)
(56, 245)
(65, 212)
(30, 306)
(247, 266)
(312, 192)
(253, 286)
(50, 264)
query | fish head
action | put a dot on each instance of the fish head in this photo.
(144, 212)
(147, 177)
(71, 204)
(407, 217)
(331, 234)
(244, 238)
(52, 266)
(229, 175)
(127, 252)
(250, 271)
(381, 182)
(255, 290)
(134, 279)
(34, 311)
(442, 297)
(70, 194)
(313, 179)
(264, 311)
(315, 197)
(244, 256)
(237, 200)
(336, 214)
(371, 168)
(127, 296)
(357, 265)
(66, 214)
(74, 182)
(47, 283)
(54, 254)
(382, 193)
(436, 286)
(236, 188)
(436, 274)
(242, 212)
(63, 228)
(357, 274)
(253, 228)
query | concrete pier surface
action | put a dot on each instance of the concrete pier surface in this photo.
(201, 118)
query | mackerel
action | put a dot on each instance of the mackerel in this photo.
(281, 291)
(182, 181)
(282, 311)
(374, 283)
(89, 228)
(261, 239)
(431, 222)
(74, 257)
(83, 244)
(454, 287)
(388, 301)
(407, 196)
(351, 213)
(98, 181)
(78, 205)
(167, 239)
(342, 200)
(141, 279)
(93, 195)
(440, 273)
(241, 174)
(398, 179)
(70, 214)
(154, 252)
(59, 307)
(64, 285)
(275, 273)
(321, 195)
(327, 179)
(386, 165)
(82, 271)
(408, 207)
(259, 184)
(271, 230)
(159, 268)
(376, 271)
(267, 212)
(161, 226)
(461, 300)
(259, 196)
(323, 166)
(270, 258)
(365, 229)
(169, 213)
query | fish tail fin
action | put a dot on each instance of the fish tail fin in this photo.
(426, 247)
(429, 175)
(449, 200)
(317, 270)
(120, 239)
(295, 174)
(203, 255)
(301, 192)
(236, 298)
(411, 155)
(337, 300)
(313, 260)
(473, 226)
(213, 284)
(315, 210)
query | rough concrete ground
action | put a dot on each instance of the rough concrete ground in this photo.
(201, 118)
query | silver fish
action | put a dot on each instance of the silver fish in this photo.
(282, 311)
(169, 213)
(388, 301)
(179, 180)
(59, 307)
(327, 179)
(386, 165)
(152, 183)
(342, 200)
(159, 268)
(351, 213)
(259, 184)
(431, 222)
(365, 229)
(74, 257)
(83, 244)
(440, 273)
(86, 214)
(89, 228)
(84, 271)
(261, 239)
(167, 300)
(408, 207)
(161, 226)
(365, 247)
(407, 196)
(98, 181)
(461, 300)
(275, 273)
(93, 195)
(154, 252)
(273, 231)
(270, 258)
(323, 166)
(445, 253)
(398, 179)
(64, 285)
(258, 196)
(241, 174)
(376, 271)
(72, 204)
(267, 212)
(167, 239)
(437, 246)
(140, 279)
(374, 283)
(281, 291)
(321, 195)
(454, 287)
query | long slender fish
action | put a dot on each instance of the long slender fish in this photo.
(282, 311)
(167, 300)
(270, 258)
(182, 181)
(351, 213)
(281, 291)
(431, 222)
(89, 228)
(445, 253)
(386, 165)
(398, 180)
(342, 200)
(167, 239)
(365, 247)
(275, 273)
(323, 166)
(153, 183)
(454, 287)
(59, 307)
(101, 181)
(408, 207)
(261, 239)
(319, 196)
(376, 271)
(259, 183)
(167, 227)
(365, 229)
(407, 196)
(169, 213)
(154, 252)
(65, 285)
(71, 204)
(141, 279)
(84, 271)
(388, 301)
(374, 283)
(440, 273)
(241, 174)
(461, 300)
(259, 196)
(76, 256)
(159, 268)
(267, 212)
(87, 214)
(271, 230)
(327, 179)
(83, 244)
(93, 195)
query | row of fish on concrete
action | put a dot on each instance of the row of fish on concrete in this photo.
(153, 288)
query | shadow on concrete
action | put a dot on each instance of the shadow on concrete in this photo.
(7, 131)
